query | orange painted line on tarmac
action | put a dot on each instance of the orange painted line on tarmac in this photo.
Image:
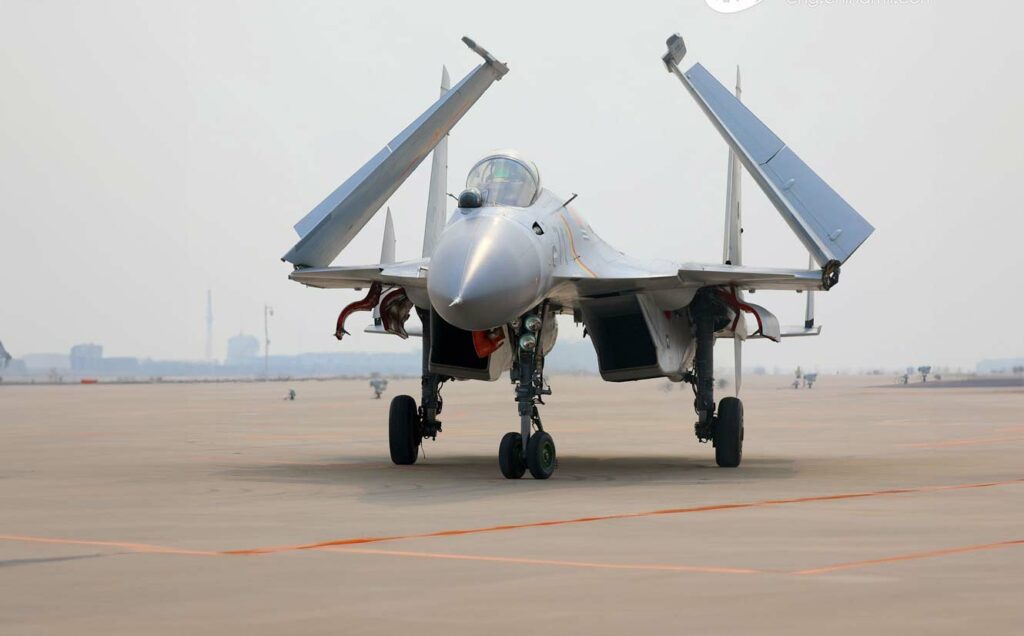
(134, 547)
(965, 442)
(300, 438)
(613, 517)
(909, 557)
(573, 564)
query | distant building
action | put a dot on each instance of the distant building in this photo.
(242, 349)
(86, 358)
(1005, 365)
(16, 367)
(46, 361)
(5, 358)
(123, 367)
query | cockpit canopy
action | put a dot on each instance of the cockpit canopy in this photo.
(505, 178)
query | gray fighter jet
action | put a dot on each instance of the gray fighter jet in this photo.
(513, 255)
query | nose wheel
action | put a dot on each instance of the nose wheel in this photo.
(510, 456)
(540, 455)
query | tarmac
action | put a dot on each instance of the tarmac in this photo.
(227, 509)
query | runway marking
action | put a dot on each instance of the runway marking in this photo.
(964, 442)
(613, 517)
(573, 564)
(340, 545)
(909, 557)
(134, 547)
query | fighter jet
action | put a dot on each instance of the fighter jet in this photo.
(514, 255)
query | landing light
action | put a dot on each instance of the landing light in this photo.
(528, 342)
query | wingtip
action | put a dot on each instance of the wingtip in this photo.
(446, 81)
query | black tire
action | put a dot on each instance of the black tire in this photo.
(510, 456)
(404, 430)
(540, 455)
(729, 433)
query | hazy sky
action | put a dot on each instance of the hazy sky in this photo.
(152, 150)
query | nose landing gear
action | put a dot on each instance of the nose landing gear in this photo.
(527, 448)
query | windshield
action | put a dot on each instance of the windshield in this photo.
(503, 181)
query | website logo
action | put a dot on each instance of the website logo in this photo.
(731, 6)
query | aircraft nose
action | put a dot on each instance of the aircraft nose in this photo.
(485, 272)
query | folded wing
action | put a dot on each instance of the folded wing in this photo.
(330, 226)
(825, 223)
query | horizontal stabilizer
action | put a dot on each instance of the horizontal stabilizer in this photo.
(828, 227)
(327, 229)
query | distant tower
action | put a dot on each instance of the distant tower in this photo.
(267, 312)
(209, 325)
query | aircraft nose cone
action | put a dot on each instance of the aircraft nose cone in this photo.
(485, 272)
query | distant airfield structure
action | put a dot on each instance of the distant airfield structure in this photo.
(268, 311)
(242, 349)
(808, 379)
(379, 385)
(209, 325)
(85, 358)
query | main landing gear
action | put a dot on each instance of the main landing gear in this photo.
(531, 448)
(408, 425)
(724, 429)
